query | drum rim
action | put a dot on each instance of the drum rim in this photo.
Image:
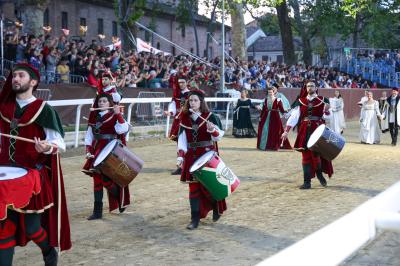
(98, 162)
(319, 128)
(14, 167)
(196, 167)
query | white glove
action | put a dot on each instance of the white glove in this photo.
(179, 161)
(89, 155)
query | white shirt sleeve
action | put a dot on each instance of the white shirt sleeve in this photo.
(121, 128)
(116, 97)
(54, 137)
(89, 137)
(172, 108)
(219, 137)
(182, 142)
(294, 117)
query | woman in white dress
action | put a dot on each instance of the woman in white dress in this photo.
(369, 131)
(337, 122)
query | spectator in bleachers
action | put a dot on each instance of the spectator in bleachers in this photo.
(63, 71)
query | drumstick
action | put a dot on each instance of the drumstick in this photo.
(103, 108)
(25, 139)
(191, 110)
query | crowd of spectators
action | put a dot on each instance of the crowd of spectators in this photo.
(60, 58)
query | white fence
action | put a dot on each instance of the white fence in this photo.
(337, 241)
(131, 101)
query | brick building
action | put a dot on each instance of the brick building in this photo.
(99, 17)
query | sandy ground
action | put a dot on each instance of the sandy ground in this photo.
(266, 214)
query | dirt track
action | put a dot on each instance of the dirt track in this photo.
(265, 215)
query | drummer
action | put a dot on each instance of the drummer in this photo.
(308, 113)
(45, 219)
(196, 137)
(108, 125)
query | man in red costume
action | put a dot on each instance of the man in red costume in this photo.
(180, 95)
(307, 114)
(44, 220)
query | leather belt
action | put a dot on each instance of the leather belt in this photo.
(201, 144)
(105, 136)
(312, 118)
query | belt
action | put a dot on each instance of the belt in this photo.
(312, 118)
(201, 144)
(105, 136)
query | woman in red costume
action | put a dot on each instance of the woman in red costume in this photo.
(270, 127)
(197, 137)
(104, 126)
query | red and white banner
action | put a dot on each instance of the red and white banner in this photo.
(143, 46)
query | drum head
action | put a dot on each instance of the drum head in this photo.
(202, 161)
(315, 136)
(105, 152)
(9, 172)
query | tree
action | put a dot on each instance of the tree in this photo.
(286, 33)
(127, 13)
(238, 30)
(32, 15)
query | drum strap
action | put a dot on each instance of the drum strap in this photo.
(200, 144)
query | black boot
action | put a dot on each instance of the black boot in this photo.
(178, 171)
(307, 176)
(50, 258)
(320, 177)
(97, 211)
(216, 214)
(195, 213)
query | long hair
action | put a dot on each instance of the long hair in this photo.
(203, 105)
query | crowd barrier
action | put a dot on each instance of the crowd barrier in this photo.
(337, 241)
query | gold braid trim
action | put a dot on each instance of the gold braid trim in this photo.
(30, 121)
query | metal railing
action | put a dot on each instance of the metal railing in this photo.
(79, 103)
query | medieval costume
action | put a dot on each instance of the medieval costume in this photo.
(180, 95)
(44, 218)
(369, 126)
(195, 140)
(107, 86)
(307, 115)
(270, 127)
(391, 115)
(242, 125)
(337, 122)
(106, 127)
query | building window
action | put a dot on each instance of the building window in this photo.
(191, 50)
(114, 28)
(265, 58)
(183, 31)
(64, 20)
(173, 50)
(250, 57)
(46, 20)
(158, 45)
(146, 36)
(83, 22)
(100, 26)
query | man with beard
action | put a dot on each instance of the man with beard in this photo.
(307, 114)
(44, 217)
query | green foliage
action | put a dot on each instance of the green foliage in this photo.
(269, 24)
(135, 12)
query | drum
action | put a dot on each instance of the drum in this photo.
(117, 162)
(326, 142)
(17, 186)
(214, 175)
